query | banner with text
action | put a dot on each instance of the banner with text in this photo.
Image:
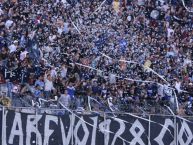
(85, 129)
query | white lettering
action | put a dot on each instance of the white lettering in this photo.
(159, 138)
(120, 131)
(104, 128)
(137, 134)
(31, 128)
(16, 132)
(95, 120)
(47, 130)
(86, 132)
(66, 138)
(187, 131)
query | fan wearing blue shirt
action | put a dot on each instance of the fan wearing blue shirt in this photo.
(71, 90)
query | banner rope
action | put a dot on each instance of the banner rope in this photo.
(186, 7)
(161, 77)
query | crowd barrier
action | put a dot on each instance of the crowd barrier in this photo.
(32, 126)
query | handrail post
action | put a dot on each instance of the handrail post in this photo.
(175, 130)
(72, 117)
(149, 131)
(36, 125)
(4, 142)
(105, 133)
(2, 123)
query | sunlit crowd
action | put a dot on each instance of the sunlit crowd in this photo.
(97, 55)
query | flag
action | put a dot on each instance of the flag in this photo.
(116, 5)
(123, 65)
(119, 4)
(147, 65)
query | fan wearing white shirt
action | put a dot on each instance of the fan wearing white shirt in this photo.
(63, 71)
(170, 32)
(49, 87)
(8, 24)
(53, 73)
(13, 47)
(64, 99)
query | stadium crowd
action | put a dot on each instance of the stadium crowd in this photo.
(68, 50)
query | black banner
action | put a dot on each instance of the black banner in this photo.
(16, 128)
(127, 130)
(65, 129)
(85, 129)
(184, 131)
(88, 130)
(162, 130)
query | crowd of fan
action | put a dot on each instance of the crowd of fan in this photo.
(47, 46)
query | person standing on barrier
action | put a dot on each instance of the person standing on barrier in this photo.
(49, 86)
